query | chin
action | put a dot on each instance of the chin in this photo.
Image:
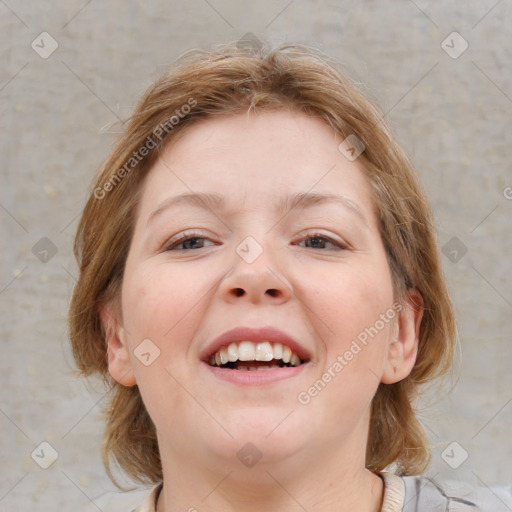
(261, 436)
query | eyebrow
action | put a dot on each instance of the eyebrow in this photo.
(291, 202)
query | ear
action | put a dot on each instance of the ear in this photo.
(403, 349)
(118, 352)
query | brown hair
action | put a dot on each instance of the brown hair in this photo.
(226, 81)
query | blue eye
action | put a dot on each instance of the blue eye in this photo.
(319, 242)
(192, 241)
(189, 241)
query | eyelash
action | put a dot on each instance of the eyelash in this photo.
(190, 236)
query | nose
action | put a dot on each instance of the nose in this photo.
(256, 280)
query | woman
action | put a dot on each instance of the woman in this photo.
(261, 288)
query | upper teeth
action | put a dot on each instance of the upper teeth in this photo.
(250, 351)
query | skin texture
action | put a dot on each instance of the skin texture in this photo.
(322, 294)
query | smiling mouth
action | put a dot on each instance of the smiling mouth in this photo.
(250, 356)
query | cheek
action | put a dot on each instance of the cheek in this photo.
(354, 299)
(355, 338)
(161, 305)
(157, 299)
(357, 319)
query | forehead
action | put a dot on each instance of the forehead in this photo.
(254, 159)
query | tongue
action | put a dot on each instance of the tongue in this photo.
(246, 365)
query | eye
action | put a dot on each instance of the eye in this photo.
(191, 241)
(319, 241)
(188, 241)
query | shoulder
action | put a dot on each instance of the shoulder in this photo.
(424, 494)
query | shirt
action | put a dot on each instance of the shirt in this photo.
(417, 494)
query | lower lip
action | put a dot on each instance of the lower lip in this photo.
(255, 377)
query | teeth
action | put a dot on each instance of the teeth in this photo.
(224, 355)
(250, 351)
(246, 351)
(295, 361)
(255, 368)
(264, 351)
(287, 354)
(233, 352)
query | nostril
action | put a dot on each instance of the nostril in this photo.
(272, 292)
(239, 292)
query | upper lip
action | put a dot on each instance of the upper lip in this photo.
(257, 335)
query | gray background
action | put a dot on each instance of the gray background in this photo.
(59, 118)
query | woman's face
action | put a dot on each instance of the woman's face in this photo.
(314, 268)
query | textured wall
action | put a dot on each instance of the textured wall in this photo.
(451, 109)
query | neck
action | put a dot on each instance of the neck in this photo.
(333, 481)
